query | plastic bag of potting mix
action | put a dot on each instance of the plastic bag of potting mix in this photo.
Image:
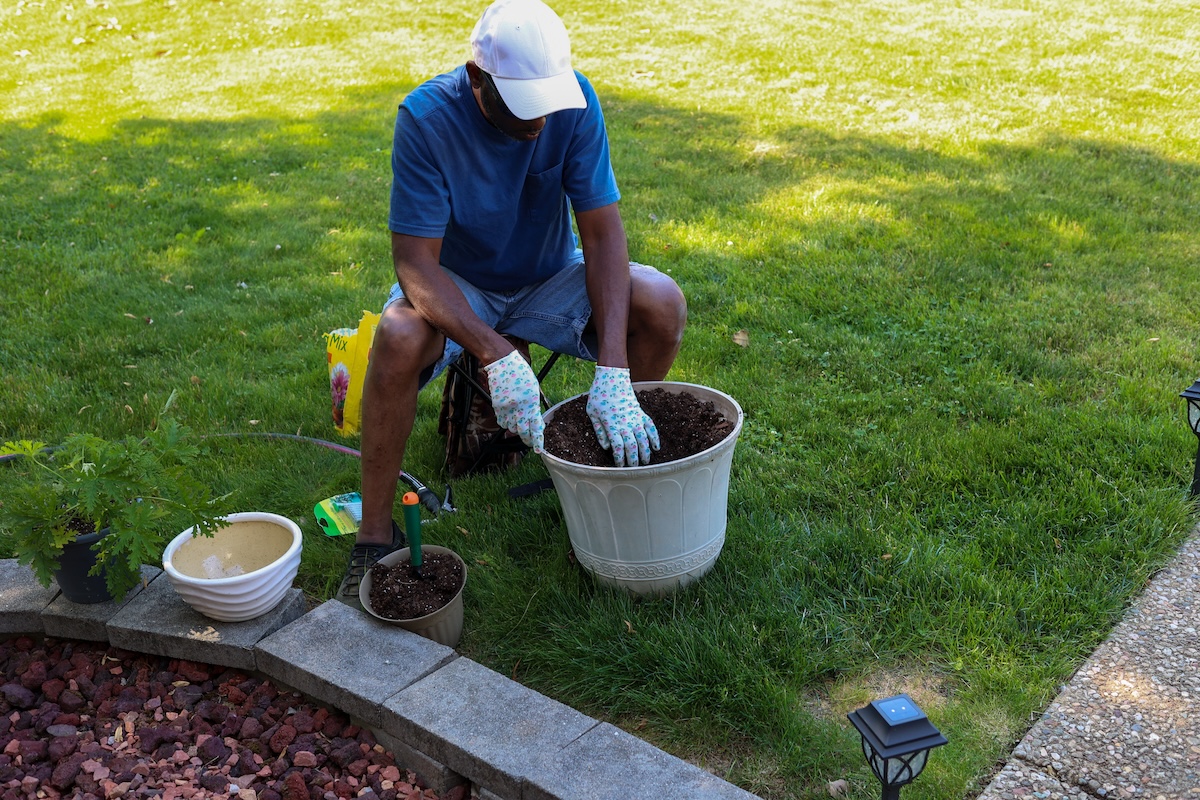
(347, 351)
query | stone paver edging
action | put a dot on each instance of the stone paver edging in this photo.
(445, 717)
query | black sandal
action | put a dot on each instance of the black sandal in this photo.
(362, 558)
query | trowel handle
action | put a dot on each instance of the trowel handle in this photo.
(412, 526)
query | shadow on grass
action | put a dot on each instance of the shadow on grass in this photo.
(852, 234)
(960, 444)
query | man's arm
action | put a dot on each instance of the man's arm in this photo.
(438, 299)
(606, 261)
(612, 406)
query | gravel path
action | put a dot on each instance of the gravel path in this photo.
(1127, 724)
(86, 720)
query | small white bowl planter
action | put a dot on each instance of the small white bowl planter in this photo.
(242, 571)
(655, 528)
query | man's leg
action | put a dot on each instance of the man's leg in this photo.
(657, 316)
(403, 347)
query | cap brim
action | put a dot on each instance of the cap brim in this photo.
(536, 97)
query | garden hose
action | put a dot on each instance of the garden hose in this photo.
(426, 495)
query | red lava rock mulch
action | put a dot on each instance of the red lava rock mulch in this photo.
(89, 721)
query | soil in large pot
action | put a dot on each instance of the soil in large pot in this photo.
(398, 592)
(686, 426)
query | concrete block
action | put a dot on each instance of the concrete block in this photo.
(436, 775)
(22, 599)
(480, 793)
(606, 762)
(89, 621)
(159, 622)
(347, 659)
(482, 725)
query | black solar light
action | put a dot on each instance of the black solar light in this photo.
(896, 740)
(1192, 395)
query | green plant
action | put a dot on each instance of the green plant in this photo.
(142, 490)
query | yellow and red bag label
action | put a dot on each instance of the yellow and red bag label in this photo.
(348, 351)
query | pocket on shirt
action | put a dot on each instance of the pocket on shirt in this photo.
(543, 194)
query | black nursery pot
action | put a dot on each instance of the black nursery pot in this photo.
(76, 561)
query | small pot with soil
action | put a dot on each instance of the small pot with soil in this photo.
(418, 587)
(653, 528)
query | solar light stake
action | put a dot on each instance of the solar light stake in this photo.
(1192, 395)
(896, 740)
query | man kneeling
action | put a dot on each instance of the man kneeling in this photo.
(488, 163)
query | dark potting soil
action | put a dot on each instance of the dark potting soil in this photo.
(398, 592)
(686, 426)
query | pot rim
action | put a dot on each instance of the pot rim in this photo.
(230, 519)
(89, 538)
(650, 469)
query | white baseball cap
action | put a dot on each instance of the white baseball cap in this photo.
(523, 45)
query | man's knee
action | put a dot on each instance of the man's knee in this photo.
(404, 341)
(657, 304)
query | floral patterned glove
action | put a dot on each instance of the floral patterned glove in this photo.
(516, 398)
(618, 420)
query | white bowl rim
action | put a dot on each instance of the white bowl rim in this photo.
(239, 516)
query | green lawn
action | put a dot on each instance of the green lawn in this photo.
(961, 237)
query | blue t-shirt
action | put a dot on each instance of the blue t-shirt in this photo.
(501, 207)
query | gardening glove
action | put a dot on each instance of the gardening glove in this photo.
(516, 398)
(618, 420)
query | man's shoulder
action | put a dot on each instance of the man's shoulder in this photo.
(436, 93)
(589, 92)
(591, 115)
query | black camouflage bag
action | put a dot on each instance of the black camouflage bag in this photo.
(475, 442)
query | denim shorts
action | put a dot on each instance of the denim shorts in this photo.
(552, 313)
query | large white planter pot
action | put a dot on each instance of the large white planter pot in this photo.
(655, 528)
(241, 572)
